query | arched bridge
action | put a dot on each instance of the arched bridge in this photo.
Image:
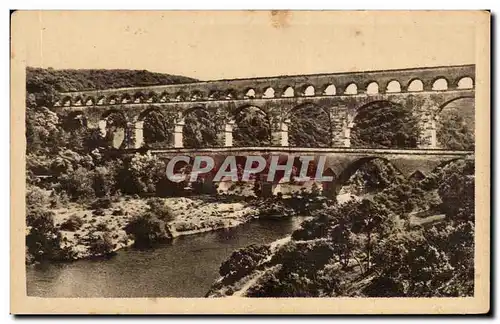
(339, 96)
(339, 163)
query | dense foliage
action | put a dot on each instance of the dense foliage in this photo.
(407, 239)
(200, 129)
(310, 126)
(455, 132)
(66, 161)
(42, 84)
(251, 128)
(385, 124)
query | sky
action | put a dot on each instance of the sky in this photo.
(234, 44)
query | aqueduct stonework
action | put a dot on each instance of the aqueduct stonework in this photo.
(340, 95)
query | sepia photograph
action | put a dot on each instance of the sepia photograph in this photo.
(250, 162)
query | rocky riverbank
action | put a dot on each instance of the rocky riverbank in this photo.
(82, 226)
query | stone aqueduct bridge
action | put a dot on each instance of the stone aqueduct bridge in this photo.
(340, 95)
(340, 163)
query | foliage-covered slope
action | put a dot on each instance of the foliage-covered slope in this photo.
(44, 82)
(413, 239)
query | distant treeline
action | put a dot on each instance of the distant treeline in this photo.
(45, 82)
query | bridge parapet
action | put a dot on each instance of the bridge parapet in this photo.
(338, 160)
(331, 84)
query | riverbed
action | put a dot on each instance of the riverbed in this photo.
(187, 267)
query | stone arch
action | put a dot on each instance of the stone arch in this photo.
(200, 128)
(288, 92)
(101, 100)
(268, 93)
(444, 164)
(90, 101)
(152, 97)
(125, 98)
(415, 85)
(196, 95)
(440, 84)
(139, 97)
(114, 128)
(157, 128)
(417, 176)
(310, 126)
(249, 93)
(230, 94)
(67, 101)
(455, 124)
(351, 89)
(78, 101)
(384, 124)
(181, 96)
(393, 87)
(330, 90)
(252, 127)
(372, 88)
(164, 97)
(308, 91)
(74, 120)
(215, 95)
(113, 100)
(465, 83)
(346, 173)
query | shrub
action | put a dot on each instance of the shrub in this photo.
(101, 203)
(43, 240)
(102, 227)
(78, 184)
(98, 212)
(72, 224)
(100, 245)
(102, 182)
(147, 229)
(58, 199)
(243, 261)
(158, 208)
(35, 197)
(118, 212)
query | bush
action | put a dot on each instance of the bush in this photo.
(101, 203)
(72, 224)
(58, 199)
(158, 208)
(243, 261)
(147, 230)
(100, 245)
(35, 197)
(118, 212)
(78, 184)
(101, 227)
(98, 212)
(43, 240)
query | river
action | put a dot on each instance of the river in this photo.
(187, 267)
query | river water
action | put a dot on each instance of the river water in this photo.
(187, 267)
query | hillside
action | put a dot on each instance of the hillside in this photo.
(43, 83)
(409, 239)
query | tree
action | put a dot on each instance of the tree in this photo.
(310, 127)
(43, 240)
(200, 130)
(455, 131)
(385, 124)
(157, 130)
(251, 128)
